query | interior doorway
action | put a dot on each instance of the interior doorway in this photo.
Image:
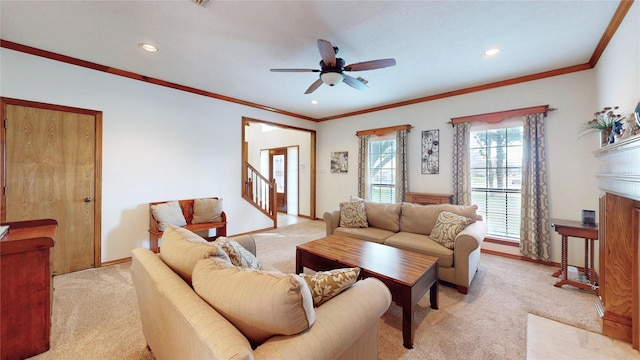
(278, 171)
(259, 137)
(52, 170)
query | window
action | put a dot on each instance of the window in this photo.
(382, 170)
(496, 174)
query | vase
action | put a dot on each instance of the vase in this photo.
(605, 135)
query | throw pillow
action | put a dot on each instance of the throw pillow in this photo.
(207, 210)
(181, 249)
(353, 214)
(326, 284)
(169, 213)
(259, 303)
(448, 226)
(238, 255)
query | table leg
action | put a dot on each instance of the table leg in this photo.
(564, 261)
(298, 262)
(407, 324)
(591, 275)
(587, 264)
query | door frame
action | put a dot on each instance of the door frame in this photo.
(97, 214)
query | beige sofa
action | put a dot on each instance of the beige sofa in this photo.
(178, 324)
(409, 226)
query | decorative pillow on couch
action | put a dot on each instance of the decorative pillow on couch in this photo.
(169, 213)
(448, 226)
(326, 284)
(238, 255)
(259, 303)
(207, 210)
(353, 214)
(181, 249)
(421, 219)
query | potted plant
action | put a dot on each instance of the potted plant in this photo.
(606, 122)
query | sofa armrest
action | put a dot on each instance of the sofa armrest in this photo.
(339, 323)
(331, 220)
(471, 237)
(247, 242)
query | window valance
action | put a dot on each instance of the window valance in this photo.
(496, 117)
(383, 131)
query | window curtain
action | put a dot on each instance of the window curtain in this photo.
(535, 239)
(363, 166)
(461, 166)
(402, 167)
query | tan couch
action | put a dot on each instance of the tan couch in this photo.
(408, 226)
(178, 324)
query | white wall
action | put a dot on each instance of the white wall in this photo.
(570, 160)
(618, 70)
(158, 143)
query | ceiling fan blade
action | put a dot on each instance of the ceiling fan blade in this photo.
(354, 83)
(295, 70)
(314, 86)
(370, 65)
(327, 52)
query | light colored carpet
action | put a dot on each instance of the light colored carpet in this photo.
(95, 314)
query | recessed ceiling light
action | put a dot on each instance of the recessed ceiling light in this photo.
(314, 102)
(491, 52)
(148, 47)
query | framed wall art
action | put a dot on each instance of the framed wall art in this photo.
(431, 152)
(340, 162)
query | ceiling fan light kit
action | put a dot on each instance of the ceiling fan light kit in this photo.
(331, 78)
(332, 68)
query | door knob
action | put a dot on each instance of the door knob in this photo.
(88, 199)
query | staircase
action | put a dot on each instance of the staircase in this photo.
(260, 192)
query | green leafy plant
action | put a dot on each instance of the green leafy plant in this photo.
(604, 120)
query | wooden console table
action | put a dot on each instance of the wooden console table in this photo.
(428, 199)
(589, 233)
(25, 288)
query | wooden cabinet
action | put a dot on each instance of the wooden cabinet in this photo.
(26, 288)
(428, 199)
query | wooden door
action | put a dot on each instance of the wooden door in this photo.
(51, 172)
(278, 171)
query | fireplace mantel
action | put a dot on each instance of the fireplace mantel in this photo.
(618, 177)
(619, 168)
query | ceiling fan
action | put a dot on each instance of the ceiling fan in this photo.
(332, 68)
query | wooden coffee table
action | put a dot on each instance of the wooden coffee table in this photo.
(407, 274)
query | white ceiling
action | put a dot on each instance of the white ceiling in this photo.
(228, 47)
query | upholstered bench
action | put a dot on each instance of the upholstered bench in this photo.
(192, 214)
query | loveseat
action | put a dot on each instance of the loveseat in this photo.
(411, 226)
(201, 312)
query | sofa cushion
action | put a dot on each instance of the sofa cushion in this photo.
(326, 284)
(207, 210)
(259, 303)
(353, 214)
(422, 244)
(238, 255)
(421, 219)
(169, 213)
(447, 227)
(383, 216)
(370, 233)
(181, 249)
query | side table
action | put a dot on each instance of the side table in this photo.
(589, 233)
